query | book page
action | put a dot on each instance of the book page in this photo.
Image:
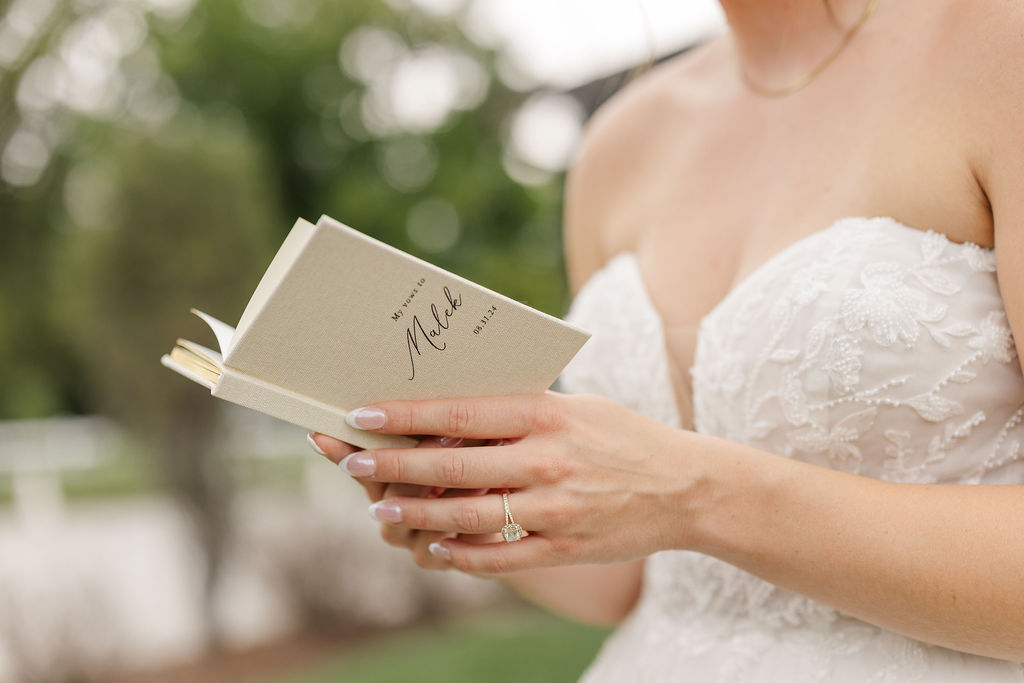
(184, 371)
(221, 330)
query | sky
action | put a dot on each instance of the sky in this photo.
(552, 46)
(565, 43)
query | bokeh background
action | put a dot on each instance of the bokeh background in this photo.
(153, 154)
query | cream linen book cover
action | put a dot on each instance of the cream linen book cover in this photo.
(340, 320)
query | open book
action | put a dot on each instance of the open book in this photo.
(341, 320)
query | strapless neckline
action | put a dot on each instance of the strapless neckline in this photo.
(628, 261)
(631, 257)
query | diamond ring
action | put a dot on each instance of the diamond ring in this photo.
(511, 531)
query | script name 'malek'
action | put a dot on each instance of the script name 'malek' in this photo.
(416, 333)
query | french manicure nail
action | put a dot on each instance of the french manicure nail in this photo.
(450, 441)
(312, 444)
(366, 418)
(359, 464)
(386, 511)
(438, 550)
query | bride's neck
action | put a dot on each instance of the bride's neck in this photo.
(778, 41)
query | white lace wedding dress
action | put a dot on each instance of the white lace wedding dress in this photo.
(868, 347)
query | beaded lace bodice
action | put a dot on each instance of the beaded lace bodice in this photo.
(868, 347)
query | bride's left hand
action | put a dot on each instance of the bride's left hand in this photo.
(590, 481)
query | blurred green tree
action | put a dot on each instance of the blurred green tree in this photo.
(191, 218)
(154, 153)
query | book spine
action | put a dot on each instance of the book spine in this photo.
(251, 392)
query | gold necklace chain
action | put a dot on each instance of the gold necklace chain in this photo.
(788, 90)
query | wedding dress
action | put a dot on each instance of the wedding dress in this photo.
(869, 347)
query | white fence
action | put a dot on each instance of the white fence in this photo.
(88, 586)
(36, 452)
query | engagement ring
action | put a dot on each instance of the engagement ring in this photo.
(511, 531)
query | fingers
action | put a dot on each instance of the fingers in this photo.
(418, 543)
(410, 491)
(464, 515)
(336, 451)
(329, 447)
(428, 531)
(460, 468)
(494, 558)
(489, 417)
(421, 554)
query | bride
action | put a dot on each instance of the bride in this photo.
(792, 449)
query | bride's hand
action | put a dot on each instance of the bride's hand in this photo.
(590, 480)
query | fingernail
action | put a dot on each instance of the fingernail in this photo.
(438, 550)
(312, 444)
(359, 464)
(450, 441)
(386, 511)
(366, 418)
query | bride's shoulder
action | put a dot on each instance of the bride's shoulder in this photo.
(984, 83)
(991, 41)
(995, 20)
(975, 44)
(657, 98)
(622, 145)
(990, 87)
(987, 82)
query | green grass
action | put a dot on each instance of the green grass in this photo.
(130, 474)
(520, 646)
(284, 473)
(122, 476)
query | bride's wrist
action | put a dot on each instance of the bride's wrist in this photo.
(736, 491)
(701, 482)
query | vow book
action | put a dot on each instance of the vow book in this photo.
(340, 320)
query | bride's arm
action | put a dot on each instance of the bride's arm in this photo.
(599, 594)
(941, 563)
